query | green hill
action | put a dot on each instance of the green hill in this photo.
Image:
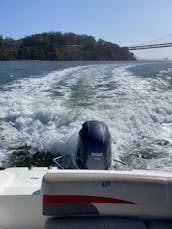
(61, 46)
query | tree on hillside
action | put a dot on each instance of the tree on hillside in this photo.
(59, 46)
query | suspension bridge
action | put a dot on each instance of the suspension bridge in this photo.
(158, 43)
(151, 46)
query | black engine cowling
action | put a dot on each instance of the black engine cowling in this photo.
(94, 146)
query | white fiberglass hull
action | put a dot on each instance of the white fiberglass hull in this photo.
(29, 198)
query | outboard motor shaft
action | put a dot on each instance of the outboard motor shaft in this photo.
(94, 146)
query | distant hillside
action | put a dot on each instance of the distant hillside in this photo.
(59, 46)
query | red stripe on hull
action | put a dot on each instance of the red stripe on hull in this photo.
(83, 199)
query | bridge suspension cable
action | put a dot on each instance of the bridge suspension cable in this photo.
(161, 42)
(151, 46)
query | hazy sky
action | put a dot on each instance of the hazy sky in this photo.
(125, 22)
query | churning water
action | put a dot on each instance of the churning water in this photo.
(43, 105)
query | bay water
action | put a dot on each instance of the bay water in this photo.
(43, 105)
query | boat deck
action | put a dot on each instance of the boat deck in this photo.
(21, 205)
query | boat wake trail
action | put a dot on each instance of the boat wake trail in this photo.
(47, 112)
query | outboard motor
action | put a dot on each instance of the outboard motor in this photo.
(94, 146)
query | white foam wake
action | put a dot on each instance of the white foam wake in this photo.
(45, 112)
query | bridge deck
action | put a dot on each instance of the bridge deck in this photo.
(151, 46)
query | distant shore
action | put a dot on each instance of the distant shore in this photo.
(63, 47)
